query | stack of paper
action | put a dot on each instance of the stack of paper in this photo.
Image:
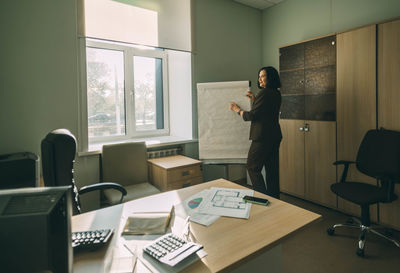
(147, 223)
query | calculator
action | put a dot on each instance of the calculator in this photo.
(90, 239)
(170, 249)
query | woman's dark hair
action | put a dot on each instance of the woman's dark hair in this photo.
(273, 80)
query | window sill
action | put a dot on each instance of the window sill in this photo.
(153, 142)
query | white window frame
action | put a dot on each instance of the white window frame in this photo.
(129, 53)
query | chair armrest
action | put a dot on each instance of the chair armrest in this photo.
(346, 164)
(103, 186)
(343, 162)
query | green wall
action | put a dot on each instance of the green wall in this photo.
(38, 72)
(227, 42)
(293, 20)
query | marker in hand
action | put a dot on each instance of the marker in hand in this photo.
(250, 94)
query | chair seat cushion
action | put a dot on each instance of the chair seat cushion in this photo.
(359, 193)
(134, 191)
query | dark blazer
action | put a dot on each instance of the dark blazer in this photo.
(264, 116)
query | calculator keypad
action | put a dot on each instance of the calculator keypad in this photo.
(171, 249)
(162, 247)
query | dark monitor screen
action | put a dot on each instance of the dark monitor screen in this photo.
(19, 170)
(35, 229)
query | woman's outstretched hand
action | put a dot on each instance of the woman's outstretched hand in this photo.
(233, 106)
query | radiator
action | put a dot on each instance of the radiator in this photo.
(163, 152)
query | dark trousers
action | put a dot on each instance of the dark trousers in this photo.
(264, 154)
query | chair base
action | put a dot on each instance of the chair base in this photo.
(356, 223)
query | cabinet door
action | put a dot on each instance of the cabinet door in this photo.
(356, 99)
(320, 79)
(389, 100)
(291, 158)
(291, 57)
(291, 67)
(320, 153)
(320, 52)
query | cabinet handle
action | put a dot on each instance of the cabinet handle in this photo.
(301, 128)
(306, 128)
(301, 82)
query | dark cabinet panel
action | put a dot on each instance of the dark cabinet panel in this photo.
(320, 107)
(320, 80)
(320, 52)
(291, 57)
(292, 107)
(292, 82)
(308, 77)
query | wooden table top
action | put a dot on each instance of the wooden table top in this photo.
(174, 161)
(229, 242)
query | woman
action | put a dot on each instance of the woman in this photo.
(265, 132)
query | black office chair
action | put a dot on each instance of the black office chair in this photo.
(379, 157)
(58, 154)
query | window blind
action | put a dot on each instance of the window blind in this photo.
(157, 23)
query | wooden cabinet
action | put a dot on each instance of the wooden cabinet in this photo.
(174, 172)
(308, 113)
(320, 173)
(363, 102)
(306, 157)
(356, 101)
(389, 100)
(308, 76)
(291, 158)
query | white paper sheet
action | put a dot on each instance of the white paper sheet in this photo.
(190, 206)
(227, 202)
(223, 134)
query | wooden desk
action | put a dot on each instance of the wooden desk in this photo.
(229, 242)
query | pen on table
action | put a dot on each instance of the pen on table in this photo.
(186, 229)
(135, 257)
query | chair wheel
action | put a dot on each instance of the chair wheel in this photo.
(330, 231)
(360, 252)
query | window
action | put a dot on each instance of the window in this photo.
(127, 91)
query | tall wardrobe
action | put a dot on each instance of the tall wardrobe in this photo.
(366, 95)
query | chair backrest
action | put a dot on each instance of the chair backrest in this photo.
(125, 163)
(58, 153)
(379, 154)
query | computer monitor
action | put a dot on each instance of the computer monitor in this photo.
(19, 170)
(35, 230)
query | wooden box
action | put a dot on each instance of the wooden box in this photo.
(174, 172)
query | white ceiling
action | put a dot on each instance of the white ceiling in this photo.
(259, 4)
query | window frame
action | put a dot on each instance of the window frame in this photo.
(129, 52)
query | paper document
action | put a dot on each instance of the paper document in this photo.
(190, 207)
(147, 223)
(226, 202)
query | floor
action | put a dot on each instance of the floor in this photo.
(313, 250)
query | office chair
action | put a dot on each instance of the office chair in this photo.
(58, 153)
(379, 157)
(126, 164)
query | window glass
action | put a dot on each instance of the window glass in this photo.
(148, 90)
(105, 92)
